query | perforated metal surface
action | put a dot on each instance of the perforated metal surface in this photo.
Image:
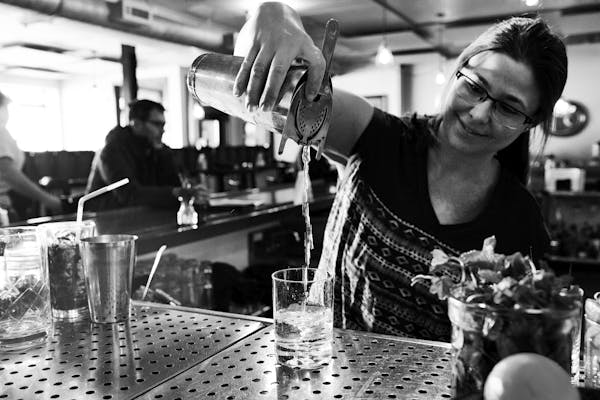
(363, 366)
(91, 361)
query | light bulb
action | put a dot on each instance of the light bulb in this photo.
(440, 78)
(384, 55)
(198, 111)
(531, 3)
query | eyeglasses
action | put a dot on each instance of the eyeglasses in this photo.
(504, 114)
(158, 124)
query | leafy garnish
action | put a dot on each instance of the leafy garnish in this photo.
(501, 280)
(525, 309)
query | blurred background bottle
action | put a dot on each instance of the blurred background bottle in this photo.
(206, 294)
(186, 215)
(4, 220)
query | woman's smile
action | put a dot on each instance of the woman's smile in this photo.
(468, 130)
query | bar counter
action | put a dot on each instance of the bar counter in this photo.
(168, 352)
(158, 226)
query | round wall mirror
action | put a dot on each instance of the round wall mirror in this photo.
(569, 118)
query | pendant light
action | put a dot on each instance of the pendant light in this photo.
(384, 55)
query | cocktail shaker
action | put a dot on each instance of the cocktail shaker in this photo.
(211, 77)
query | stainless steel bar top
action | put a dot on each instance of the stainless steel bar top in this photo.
(363, 366)
(84, 360)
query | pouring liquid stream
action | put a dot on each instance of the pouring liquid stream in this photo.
(308, 236)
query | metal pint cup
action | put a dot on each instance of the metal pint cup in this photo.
(108, 262)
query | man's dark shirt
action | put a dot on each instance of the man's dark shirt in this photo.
(152, 172)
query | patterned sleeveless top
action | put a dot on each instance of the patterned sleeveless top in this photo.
(377, 259)
(381, 231)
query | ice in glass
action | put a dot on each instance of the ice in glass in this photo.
(25, 315)
(303, 313)
(591, 345)
(62, 256)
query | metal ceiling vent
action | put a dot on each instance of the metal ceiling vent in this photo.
(130, 11)
(144, 12)
(142, 17)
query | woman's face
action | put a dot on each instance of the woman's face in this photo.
(473, 127)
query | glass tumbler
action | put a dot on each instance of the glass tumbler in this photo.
(25, 315)
(62, 256)
(303, 313)
(591, 344)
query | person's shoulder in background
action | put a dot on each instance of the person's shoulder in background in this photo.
(117, 134)
(8, 145)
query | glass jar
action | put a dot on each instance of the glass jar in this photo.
(61, 254)
(25, 315)
(483, 335)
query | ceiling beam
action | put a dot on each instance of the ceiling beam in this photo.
(415, 28)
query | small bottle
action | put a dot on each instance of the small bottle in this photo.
(206, 298)
(550, 162)
(202, 162)
(4, 220)
(260, 160)
(596, 150)
(186, 215)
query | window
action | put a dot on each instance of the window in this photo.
(34, 116)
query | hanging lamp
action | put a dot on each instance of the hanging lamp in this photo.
(384, 56)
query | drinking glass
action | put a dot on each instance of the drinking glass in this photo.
(303, 312)
(25, 316)
(591, 344)
(62, 256)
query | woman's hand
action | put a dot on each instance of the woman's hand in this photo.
(270, 41)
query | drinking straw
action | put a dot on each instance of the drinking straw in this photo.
(153, 270)
(181, 179)
(95, 193)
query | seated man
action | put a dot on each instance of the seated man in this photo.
(136, 152)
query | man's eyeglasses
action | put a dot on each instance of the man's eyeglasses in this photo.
(504, 114)
(158, 124)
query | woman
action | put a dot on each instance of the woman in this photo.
(419, 183)
(11, 176)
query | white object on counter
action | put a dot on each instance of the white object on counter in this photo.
(575, 175)
(528, 376)
(4, 221)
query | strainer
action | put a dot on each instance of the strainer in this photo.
(308, 121)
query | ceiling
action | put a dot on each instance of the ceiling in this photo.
(64, 38)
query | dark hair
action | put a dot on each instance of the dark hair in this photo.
(530, 41)
(141, 109)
